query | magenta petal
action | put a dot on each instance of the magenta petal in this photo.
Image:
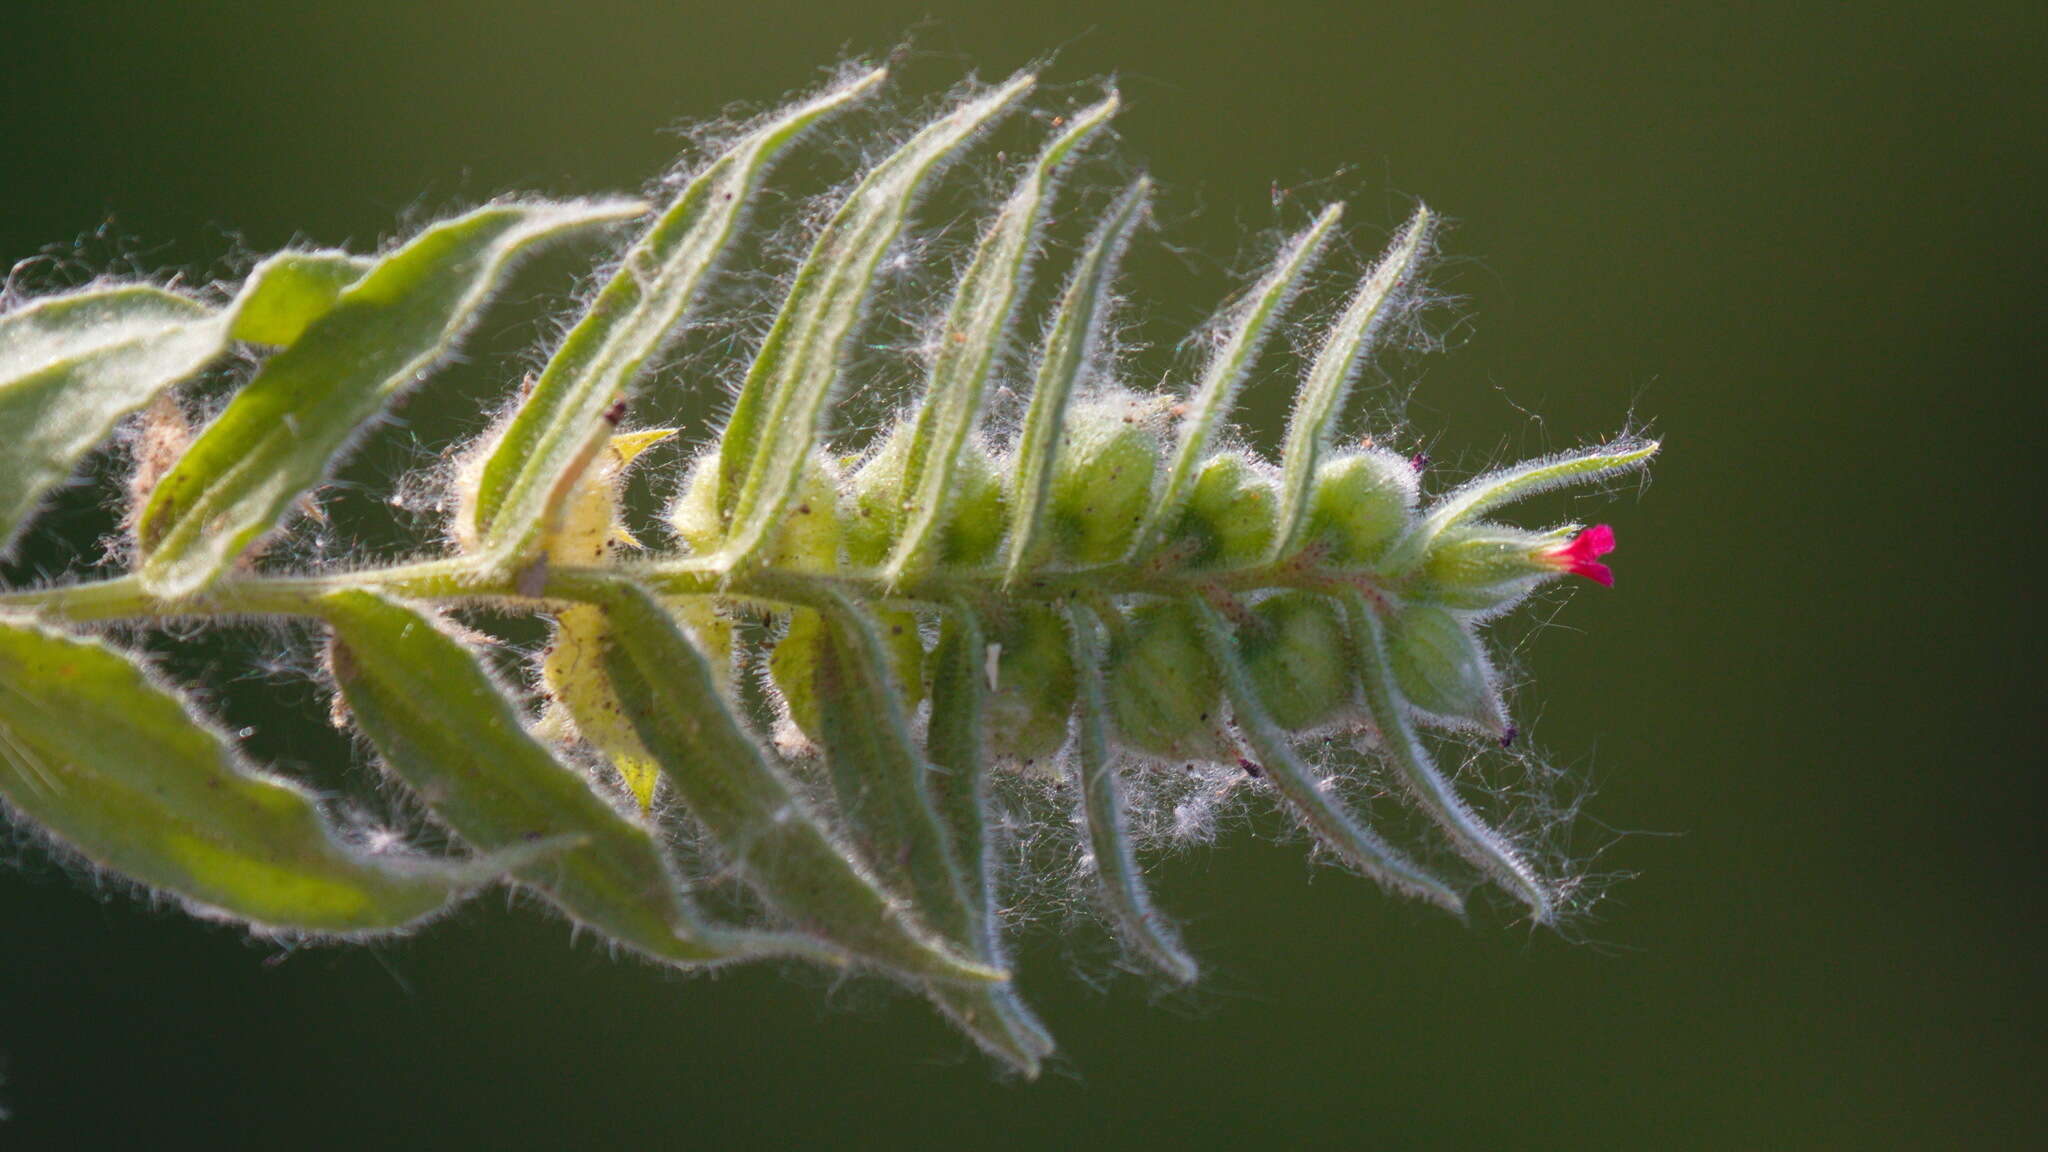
(1595, 571)
(1580, 556)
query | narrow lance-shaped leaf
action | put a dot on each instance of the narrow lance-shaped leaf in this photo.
(976, 332)
(1320, 404)
(881, 783)
(747, 805)
(1069, 345)
(288, 428)
(1481, 494)
(560, 423)
(1142, 929)
(445, 728)
(1326, 816)
(124, 773)
(776, 420)
(72, 366)
(1487, 849)
(994, 1015)
(1207, 409)
(878, 776)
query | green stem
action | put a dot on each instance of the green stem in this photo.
(459, 580)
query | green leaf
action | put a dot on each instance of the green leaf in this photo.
(1069, 345)
(288, 428)
(560, 423)
(878, 776)
(781, 406)
(1487, 849)
(1482, 494)
(885, 796)
(1249, 327)
(290, 290)
(976, 331)
(71, 366)
(748, 805)
(445, 728)
(994, 1015)
(1325, 815)
(123, 772)
(1094, 775)
(1320, 403)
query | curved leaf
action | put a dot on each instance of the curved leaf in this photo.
(1249, 327)
(288, 428)
(878, 775)
(976, 332)
(1487, 849)
(122, 771)
(1482, 494)
(560, 422)
(444, 727)
(775, 422)
(71, 366)
(996, 1016)
(747, 805)
(1094, 772)
(1069, 345)
(1325, 815)
(1320, 403)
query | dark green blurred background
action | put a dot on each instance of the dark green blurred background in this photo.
(1804, 240)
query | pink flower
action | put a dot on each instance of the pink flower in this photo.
(1581, 556)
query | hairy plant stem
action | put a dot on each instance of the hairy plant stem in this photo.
(464, 581)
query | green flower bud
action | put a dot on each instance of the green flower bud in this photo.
(793, 665)
(873, 506)
(1165, 694)
(1103, 479)
(1031, 684)
(1443, 669)
(809, 537)
(981, 511)
(1486, 567)
(1296, 659)
(875, 516)
(1361, 502)
(1230, 515)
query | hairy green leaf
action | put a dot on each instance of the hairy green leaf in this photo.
(123, 772)
(1482, 494)
(1249, 326)
(445, 728)
(1320, 402)
(561, 423)
(748, 805)
(976, 331)
(995, 1015)
(71, 366)
(286, 430)
(885, 794)
(1069, 345)
(1325, 815)
(776, 420)
(1095, 777)
(290, 290)
(878, 774)
(1487, 849)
